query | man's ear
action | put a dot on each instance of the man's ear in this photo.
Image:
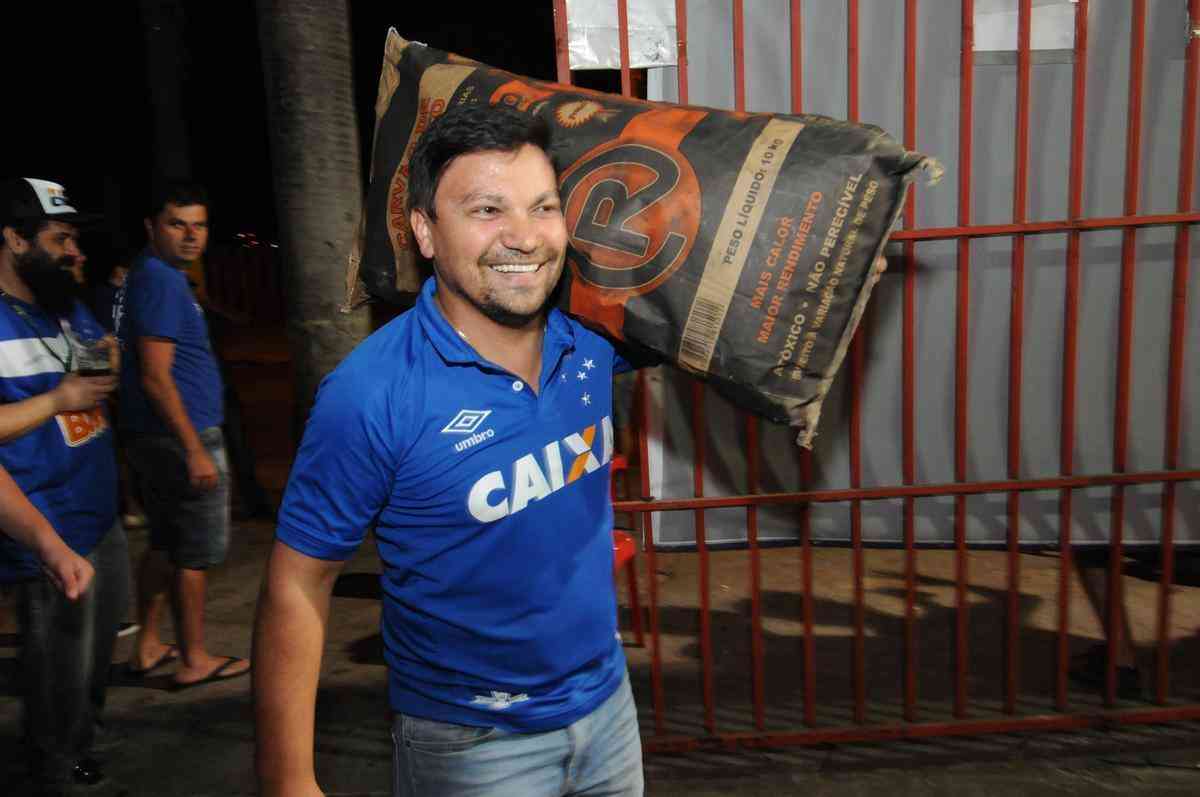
(14, 241)
(422, 229)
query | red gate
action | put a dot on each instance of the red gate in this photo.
(1065, 715)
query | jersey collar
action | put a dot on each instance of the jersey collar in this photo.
(453, 348)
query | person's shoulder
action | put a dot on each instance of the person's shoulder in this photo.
(585, 337)
(384, 361)
(150, 267)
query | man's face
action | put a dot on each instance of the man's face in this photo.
(51, 266)
(499, 240)
(179, 234)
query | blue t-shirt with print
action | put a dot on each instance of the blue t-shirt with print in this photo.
(65, 466)
(157, 302)
(490, 507)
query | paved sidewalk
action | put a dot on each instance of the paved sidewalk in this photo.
(200, 742)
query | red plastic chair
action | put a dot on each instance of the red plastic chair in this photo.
(624, 549)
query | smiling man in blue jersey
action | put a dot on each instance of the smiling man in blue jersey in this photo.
(473, 435)
(62, 550)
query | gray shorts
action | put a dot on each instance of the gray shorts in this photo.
(191, 525)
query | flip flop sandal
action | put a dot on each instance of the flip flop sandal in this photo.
(169, 655)
(219, 674)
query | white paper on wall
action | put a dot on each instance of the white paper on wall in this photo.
(1052, 25)
(592, 34)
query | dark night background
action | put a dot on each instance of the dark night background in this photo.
(78, 108)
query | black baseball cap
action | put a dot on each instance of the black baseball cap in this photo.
(30, 199)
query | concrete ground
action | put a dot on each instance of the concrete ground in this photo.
(200, 742)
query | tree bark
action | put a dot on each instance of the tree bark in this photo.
(318, 187)
(166, 68)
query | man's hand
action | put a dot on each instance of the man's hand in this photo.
(69, 571)
(75, 393)
(881, 265)
(202, 471)
(114, 353)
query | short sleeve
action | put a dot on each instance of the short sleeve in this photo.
(343, 473)
(157, 307)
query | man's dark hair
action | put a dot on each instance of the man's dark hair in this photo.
(26, 228)
(462, 130)
(175, 192)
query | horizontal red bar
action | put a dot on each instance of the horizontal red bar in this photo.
(915, 491)
(877, 733)
(1043, 227)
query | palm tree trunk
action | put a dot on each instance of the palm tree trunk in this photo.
(318, 187)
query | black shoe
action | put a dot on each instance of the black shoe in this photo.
(105, 739)
(1088, 669)
(87, 772)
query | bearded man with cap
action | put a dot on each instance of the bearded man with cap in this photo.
(62, 549)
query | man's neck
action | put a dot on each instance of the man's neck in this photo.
(516, 349)
(12, 284)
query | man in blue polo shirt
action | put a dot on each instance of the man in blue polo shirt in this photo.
(171, 414)
(473, 434)
(61, 547)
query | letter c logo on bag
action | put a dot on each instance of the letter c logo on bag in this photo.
(632, 211)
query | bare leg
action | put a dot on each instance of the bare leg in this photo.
(191, 586)
(1095, 584)
(153, 581)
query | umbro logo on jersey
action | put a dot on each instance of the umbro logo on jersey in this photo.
(466, 422)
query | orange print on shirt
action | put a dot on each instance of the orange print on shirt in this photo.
(80, 427)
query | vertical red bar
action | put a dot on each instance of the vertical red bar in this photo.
(739, 56)
(751, 425)
(806, 577)
(858, 657)
(562, 55)
(962, 354)
(656, 686)
(681, 48)
(699, 439)
(1070, 349)
(805, 518)
(1187, 162)
(797, 64)
(756, 638)
(623, 38)
(909, 375)
(1133, 144)
(1015, 346)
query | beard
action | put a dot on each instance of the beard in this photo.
(506, 316)
(50, 280)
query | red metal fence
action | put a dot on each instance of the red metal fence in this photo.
(1067, 483)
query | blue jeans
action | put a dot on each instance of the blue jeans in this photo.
(66, 650)
(600, 754)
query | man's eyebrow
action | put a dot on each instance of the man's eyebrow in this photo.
(479, 196)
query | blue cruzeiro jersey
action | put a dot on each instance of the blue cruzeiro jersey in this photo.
(66, 466)
(491, 510)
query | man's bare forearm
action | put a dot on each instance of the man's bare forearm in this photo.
(22, 521)
(21, 417)
(289, 636)
(164, 397)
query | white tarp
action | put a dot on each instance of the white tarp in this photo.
(1052, 25)
(592, 34)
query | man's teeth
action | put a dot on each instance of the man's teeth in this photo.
(515, 268)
